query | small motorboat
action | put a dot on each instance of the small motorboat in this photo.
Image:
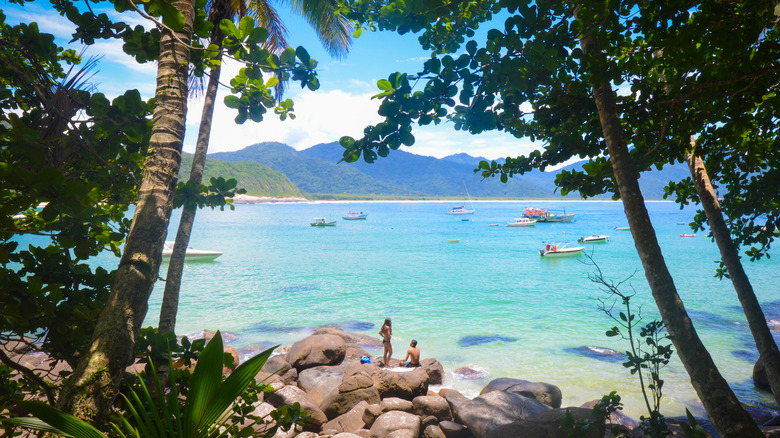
(623, 228)
(321, 222)
(687, 235)
(594, 239)
(544, 215)
(453, 240)
(521, 222)
(560, 249)
(355, 216)
(191, 254)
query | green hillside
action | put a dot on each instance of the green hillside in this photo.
(258, 180)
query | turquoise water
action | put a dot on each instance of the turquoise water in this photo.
(280, 278)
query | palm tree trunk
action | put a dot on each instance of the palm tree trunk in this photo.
(170, 301)
(765, 343)
(92, 387)
(725, 411)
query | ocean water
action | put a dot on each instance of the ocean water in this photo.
(488, 302)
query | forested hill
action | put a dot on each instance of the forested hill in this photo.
(258, 180)
(317, 170)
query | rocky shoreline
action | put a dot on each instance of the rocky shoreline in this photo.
(349, 399)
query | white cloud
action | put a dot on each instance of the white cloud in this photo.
(48, 20)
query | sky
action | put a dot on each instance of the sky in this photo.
(341, 106)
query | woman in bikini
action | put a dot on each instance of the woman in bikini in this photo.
(386, 332)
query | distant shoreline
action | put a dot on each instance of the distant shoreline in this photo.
(247, 199)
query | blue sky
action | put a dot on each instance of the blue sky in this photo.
(342, 105)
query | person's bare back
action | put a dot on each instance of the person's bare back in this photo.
(413, 356)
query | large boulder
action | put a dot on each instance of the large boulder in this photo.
(434, 369)
(544, 393)
(371, 413)
(350, 422)
(277, 365)
(617, 418)
(494, 409)
(436, 406)
(354, 339)
(397, 424)
(319, 382)
(548, 424)
(396, 404)
(289, 395)
(357, 367)
(454, 399)
(406, 385)
(353, 389)
(317, 350)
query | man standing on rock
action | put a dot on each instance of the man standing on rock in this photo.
(413, 354)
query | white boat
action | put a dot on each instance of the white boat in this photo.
(355, 216)
(521, 222)
(622, 228)
(594, 239)
(560, 249)
(461, 209)
(321, 222)
(191, 254)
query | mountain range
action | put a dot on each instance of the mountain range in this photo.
(316, 173)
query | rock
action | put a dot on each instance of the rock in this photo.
(436, 406)
(455, 430)
(617, 417)
(363, 433)
(396, 404)
(760, 379)
(355, 339)
(317, 350)
(454, 399)
(371, 413)
(544, 393)
(599, 353)
(233, 352)
(433, 431)
(306, 435)
(227, 337)
(353, 390)
(350, 422)
(396, 424)
(276, 364)
(289, 395)
(262, 410)
(470, 373)
(319, 382)
(494, 409)
(357, 367)
(406, 385)
(354, 353)
(345, 435)
(547, 424)
(434, 369)
(290, 377)
(428, 421)
(471, 340)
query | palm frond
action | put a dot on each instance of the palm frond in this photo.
(333, 29)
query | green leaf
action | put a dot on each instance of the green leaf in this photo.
(62, 423)
(205, 382)
(229, 29)
(385, 85)
(246, 26)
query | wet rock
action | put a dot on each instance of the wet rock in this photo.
(600, 353)
(316, 350)
(470, 373)
(544, 393)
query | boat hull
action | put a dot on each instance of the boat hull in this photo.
(461, 212)
(323, 224)
(563, 252)
(355, 218)
(194, 255)
(564, 218)
(593, 239)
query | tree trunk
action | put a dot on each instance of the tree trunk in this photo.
(170, 301)
(92, 387)
(724, 409)
(765, 343)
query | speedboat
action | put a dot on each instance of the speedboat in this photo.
(321, 222)
(593, 239)
(687, 235)
(544, 215)
(521, 222)
(622, 228)
(560, 249)
(191, 254)
(355, 216)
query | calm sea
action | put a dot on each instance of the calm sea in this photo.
(489, 301)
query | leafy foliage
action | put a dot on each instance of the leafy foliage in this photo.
(69, 165)
(159, 413)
